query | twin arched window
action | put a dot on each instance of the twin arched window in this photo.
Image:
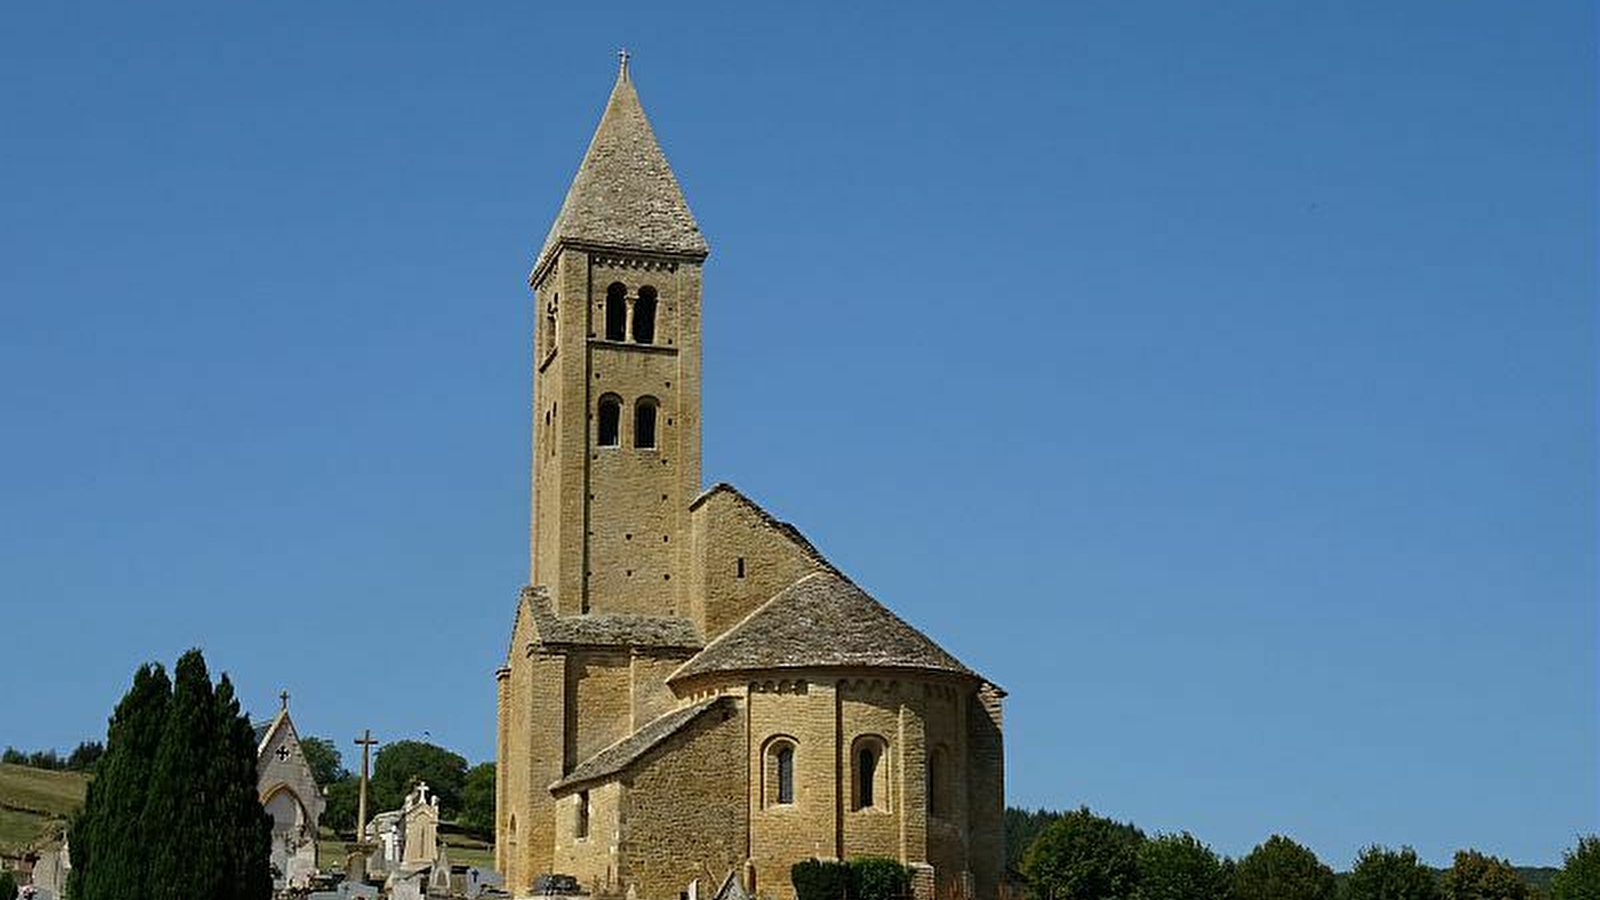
(617, 312)
(644, 314)
(608, 428)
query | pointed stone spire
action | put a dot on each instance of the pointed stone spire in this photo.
(624, 195)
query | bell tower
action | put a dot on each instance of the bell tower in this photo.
(616, 382)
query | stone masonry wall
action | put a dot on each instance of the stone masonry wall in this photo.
(742, 560)
(593, 858)
(684, 813)
(599, 702)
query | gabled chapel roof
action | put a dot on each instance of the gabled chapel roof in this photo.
(630, 749)
(625, 195)
(822, 620)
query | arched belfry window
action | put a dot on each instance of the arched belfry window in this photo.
(616, 312)
(644, 316)
(869, 775)
(777, 772)
(644, 423)
(608, 432)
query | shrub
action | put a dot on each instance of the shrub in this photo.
(815, 879)
(878, 878)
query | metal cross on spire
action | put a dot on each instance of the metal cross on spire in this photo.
(283, 698)
(622, 58)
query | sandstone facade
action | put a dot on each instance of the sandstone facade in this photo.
(691, 688)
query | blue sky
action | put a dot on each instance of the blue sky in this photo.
(1217, 378)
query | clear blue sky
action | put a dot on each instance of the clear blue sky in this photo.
(1218, 378)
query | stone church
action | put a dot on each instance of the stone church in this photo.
(692, 689)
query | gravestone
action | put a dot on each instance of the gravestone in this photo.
(439, 875)
(408, 887)
(421, 817)
(480, 881)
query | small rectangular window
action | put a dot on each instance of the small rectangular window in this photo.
(739, 567)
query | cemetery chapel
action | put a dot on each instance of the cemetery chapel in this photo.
(692, 690)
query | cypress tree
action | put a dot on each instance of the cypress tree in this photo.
(245, 830)
(108, 859)
(172, 813)
(181, 803)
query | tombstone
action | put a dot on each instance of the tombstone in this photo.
(732, 888)
(421, 817)
(387, 840)
(301, 871)
(351, 890)
(355, 863)
(347, 890)
(481, 881)
(439, 875)
(408, 886)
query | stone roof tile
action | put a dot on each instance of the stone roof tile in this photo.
(609, 629)
(630, 749)
(822, 620)
(625, 195)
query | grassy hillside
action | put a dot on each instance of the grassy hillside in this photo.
(33, 801)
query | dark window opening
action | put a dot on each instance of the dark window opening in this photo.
(582, 825)
(866, 771)
(644, 423)
(938, 782)
(644, 316)
(616, 312)
(738, 567)
(786, 774)
(610, 421)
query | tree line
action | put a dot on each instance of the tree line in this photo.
(81, 759)
(1081, 856)
(466, 794)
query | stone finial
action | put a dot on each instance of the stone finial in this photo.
(622, 59)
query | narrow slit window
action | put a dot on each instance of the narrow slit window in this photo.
(738, 568)
(610, 421)
(786, 774)
(644, 316)
(644, 423)
(616, 312)
(581, 828)
(868, 770)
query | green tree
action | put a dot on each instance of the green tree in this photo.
(1179, 867)
(1477, 876)
(85, 755)
(173, 811)
(1280, 869)
(8, 886)
(107, 860)
(1082, 856)
(477, 800)
(323, 757)
(402, 764)
(242, 836)
(1022, 828)
(343, 801)
(1579, 878)
(1384, 874)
